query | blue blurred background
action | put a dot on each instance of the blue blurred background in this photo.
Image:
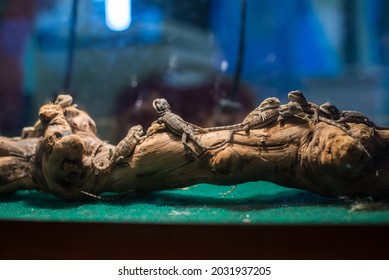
(115, 56)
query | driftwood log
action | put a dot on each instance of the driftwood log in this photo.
(293, 153)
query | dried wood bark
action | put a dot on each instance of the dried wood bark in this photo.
(293, 153)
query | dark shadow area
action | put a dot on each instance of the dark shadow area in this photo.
(48, 240)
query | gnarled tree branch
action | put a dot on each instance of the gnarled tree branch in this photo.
(292, 152)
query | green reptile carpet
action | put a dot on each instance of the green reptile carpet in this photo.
(250, 203)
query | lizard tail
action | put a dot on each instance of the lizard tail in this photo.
(360, 145)
(107, 198)
(95, 164)
(228, 139)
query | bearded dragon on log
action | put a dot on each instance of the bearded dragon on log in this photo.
(293, 150)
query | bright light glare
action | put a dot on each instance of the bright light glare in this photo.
(118, 14)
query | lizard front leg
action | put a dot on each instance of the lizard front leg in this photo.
(139, 139)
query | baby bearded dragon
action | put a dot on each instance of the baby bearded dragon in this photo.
(357, 117)
(180, 127)
(264, 114)
(310, 108)
(294, 108)
(344, 116)
(122, 150)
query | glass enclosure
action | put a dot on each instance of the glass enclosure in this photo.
(115, 56)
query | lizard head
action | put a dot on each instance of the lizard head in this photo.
(64, 100)
(137, 130)
(269, 103)
(161, 106)
(297, 96)
(330, 109)
(290, 109)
